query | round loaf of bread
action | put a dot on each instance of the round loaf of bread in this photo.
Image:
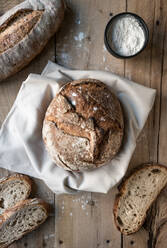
(83, 126)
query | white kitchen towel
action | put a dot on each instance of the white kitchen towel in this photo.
(21, 146)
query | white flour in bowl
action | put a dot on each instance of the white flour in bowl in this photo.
(127, 36)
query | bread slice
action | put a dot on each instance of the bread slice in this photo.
(137, 193)
(13, 189)
(21, 219)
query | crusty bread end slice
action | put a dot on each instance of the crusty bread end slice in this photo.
(13, 189)
(21, 219)
(136, 195)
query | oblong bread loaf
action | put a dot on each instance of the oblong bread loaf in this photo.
(24, 32)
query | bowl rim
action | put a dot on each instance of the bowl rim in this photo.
(145, 28)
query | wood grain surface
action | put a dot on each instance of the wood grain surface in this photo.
(86, 220)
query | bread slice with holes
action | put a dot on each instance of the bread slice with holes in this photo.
(13, 189)
(136, 195)
(21, 219)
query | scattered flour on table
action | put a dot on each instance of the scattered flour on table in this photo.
(84, 202)
(64, 56)
(49, 236)
(104, 48)
(77, 21)
(79, 37)
(62, 208)
(107, 68)
(104, 58)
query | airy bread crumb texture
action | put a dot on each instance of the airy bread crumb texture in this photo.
(13, 190)
(23, 220)
(136, 196)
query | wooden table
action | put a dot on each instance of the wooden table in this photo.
(86, 220)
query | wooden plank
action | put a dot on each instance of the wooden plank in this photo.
(159, 215)
(138, 69)
(136, 240)
(44, 236)
(149, 71)
(86, 220)
(80, 41)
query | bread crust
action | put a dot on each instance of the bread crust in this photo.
(15, 58)
(122, 191)
(25, 203)
(83, 126)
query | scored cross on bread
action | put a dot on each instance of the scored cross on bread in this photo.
(83, 126)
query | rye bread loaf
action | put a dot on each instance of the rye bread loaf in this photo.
(136, 195)
(13, 189)
(25, 30)
(83, 125)
(21, 219)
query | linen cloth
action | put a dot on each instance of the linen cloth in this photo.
(21, 146)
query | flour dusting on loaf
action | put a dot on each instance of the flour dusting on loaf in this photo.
(24, 32)
(83, 126)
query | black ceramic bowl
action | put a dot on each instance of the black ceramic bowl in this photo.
(108, 28)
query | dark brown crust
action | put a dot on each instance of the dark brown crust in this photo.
(122, 190)
(9, 212)
(20, 177)
(96, 116)
(22, 22)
